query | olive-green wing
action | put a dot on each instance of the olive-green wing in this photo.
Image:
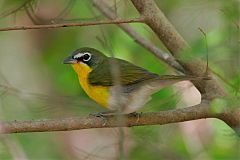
(129, 73)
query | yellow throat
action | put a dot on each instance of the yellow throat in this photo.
(98, 93)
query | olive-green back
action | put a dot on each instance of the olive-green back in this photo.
(129, 73)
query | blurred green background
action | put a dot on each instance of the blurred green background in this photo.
(35, 84)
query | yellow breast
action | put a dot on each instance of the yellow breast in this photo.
(98, 93)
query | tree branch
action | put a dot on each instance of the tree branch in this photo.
(157, 21)
(166, 32)
(48, 26)
(66, 124)
(167, 58)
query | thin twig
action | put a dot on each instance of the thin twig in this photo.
(7, 13)
(67, 9)
(40, 21)
(115, 72)
(167, 58)
(175, 43)
(49, 26)
(31, 15)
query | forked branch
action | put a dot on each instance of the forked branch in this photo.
(155, 19)
(165, 57)
(166, 32)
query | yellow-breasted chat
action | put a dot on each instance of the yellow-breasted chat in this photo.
(137, 84)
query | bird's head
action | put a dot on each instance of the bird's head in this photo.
(88, 57)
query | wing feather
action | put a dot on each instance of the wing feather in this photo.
(129, 73)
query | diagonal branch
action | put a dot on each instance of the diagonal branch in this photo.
(7, 13)
(66, 124)
(167, 58)
(155, 19)
(166, 32)
(115, 21)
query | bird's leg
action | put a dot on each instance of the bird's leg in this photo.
(102, 114)
(136, 114)
(114, 112)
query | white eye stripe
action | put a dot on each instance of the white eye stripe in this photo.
(79, 55)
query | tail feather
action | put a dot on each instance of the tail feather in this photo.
(166, 80)
(183, 77)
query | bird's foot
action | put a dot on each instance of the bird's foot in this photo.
(102, 115)
(136, 114)
(99, 115)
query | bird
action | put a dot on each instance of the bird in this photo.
(136, 84)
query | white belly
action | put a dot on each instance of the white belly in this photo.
(133, 101)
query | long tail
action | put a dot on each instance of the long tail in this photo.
(166, 80)
(183, 77)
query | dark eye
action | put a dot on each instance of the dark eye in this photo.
(86, 57)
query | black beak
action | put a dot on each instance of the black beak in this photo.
(69, 60)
